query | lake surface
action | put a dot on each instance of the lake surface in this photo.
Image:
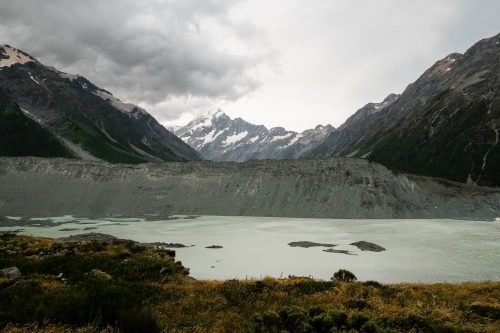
(255, 247)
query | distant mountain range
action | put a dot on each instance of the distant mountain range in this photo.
(445, 124)
(218, 137)
(88, 121)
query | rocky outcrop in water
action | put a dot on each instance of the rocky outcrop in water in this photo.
(340, 252)
(308, 244)
(368, 246)
(327, 188)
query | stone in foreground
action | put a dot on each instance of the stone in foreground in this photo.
(11, 272)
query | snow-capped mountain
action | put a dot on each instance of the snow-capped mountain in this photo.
(218, 137)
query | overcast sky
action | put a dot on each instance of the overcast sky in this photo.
(290, 63)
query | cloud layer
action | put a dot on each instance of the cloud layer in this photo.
(291, 63)
(146, 51)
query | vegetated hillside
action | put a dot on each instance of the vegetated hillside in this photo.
(21, 136)
(445, 124)
(335, 187)
(220, 138)
(91, 121)
(91, 286)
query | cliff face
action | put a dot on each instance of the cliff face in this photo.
(330, 188)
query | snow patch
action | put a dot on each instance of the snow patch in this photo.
(378, 106)
(32, 78)
(281, 137)
(207, 122)
(255, 138)
(70, 77)
(15, 56)
(32, 116)
(210, 137)
(218, 114)
(485, 157)
(296, 138)
(124, 107)
(235, 138)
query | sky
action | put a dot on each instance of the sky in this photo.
(289, 63)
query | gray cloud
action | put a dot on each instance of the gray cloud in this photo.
(145, 51)
(291, 63)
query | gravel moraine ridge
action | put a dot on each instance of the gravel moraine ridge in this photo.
(321, 188)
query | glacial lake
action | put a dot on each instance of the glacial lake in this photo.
(255, 247)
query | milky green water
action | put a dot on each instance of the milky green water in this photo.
(255, 247)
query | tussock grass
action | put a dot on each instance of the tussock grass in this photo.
(118, 287)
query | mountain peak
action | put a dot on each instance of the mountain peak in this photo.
(219, 137)
(88, 120)
(10, 56)
(218, 113)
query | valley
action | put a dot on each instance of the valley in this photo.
(111, 221)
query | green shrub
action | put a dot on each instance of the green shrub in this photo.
(295, 319)
(344, 276)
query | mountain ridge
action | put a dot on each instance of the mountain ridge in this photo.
(218, 137)
(91, 121)
(335, 187)
(445, 124)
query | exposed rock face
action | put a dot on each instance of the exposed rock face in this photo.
(89, 120)
(220, 138)
(331, 188)
(445, 124)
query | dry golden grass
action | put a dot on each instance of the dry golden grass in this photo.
(209, 305)
(178, 304)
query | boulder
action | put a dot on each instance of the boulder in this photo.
(11, 272)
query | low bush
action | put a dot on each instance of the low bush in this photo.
(296, 319)
(343, 276)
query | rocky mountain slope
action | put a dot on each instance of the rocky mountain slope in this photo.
(220, 138)
(445, 124)
(334, 187)
(22, 136)
(90, 121)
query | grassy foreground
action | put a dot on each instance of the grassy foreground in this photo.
(127, 287)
